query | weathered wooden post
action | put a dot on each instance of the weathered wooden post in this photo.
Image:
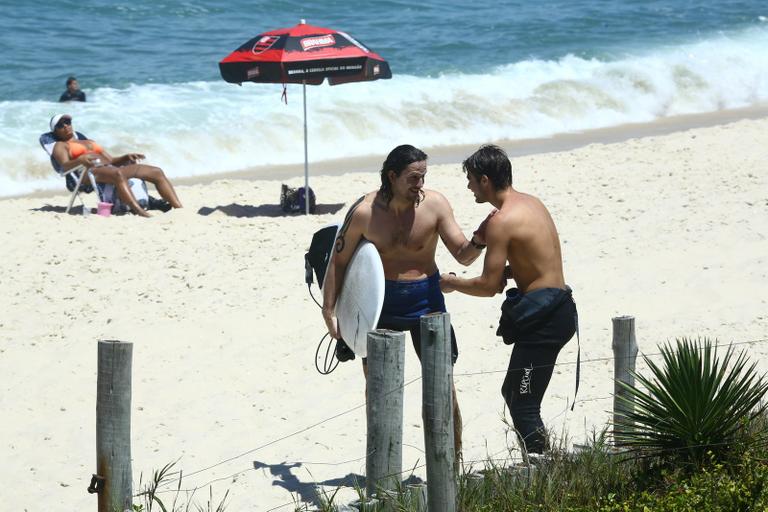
(384, 410)
(624, 357)
(437, 376)
(416, 497)
(113, 426)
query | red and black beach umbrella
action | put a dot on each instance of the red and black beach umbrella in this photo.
(303, 54)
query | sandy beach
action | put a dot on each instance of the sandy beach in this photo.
(669, 228)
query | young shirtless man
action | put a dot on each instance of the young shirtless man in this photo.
(539, 316)
(404, 221)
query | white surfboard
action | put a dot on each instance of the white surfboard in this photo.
(362, 296)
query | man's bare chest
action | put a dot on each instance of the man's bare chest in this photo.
(402, 234)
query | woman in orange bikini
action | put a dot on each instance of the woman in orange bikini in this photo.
(70, 152)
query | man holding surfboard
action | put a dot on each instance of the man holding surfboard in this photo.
(539, 316)
(404, 221)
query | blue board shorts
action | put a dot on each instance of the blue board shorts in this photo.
(406, 301)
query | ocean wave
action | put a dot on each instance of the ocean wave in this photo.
(211, 127)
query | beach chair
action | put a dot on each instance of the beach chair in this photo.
(74, 177)
(77, 175)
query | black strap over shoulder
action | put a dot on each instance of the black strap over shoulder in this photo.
(340, 242)
(320, 249)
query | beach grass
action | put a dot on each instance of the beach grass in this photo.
(174, 500)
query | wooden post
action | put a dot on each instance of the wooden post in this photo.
(624, 357)
(416, 497)
(113, 425)
(384, 410)
(437, 377)
(366, 505)
(389, 501)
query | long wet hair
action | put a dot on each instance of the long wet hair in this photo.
(397, 160)
(493, 162)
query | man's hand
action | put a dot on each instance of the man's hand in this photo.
(331, 324)
(445, 282)
(479, 234)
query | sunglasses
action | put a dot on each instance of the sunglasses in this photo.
(64, 122)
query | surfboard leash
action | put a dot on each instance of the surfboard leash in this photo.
(309, 289)
(330, 361)
(330, 351)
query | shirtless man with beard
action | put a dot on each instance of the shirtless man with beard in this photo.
(404, 221)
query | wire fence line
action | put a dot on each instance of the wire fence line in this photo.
(355, 408)
(308, 463)
(292, 434)
(490, 459)
(410, 469)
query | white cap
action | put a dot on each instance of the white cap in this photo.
(55, 119)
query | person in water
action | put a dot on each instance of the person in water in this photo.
(73, 92)
(70, 152)
(539, 316)
(404, 221)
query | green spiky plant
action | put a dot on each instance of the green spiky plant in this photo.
(694, 405)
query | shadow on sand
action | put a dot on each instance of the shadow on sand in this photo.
(265, 210)
(230, 210)
(76, 210)
(307, 491)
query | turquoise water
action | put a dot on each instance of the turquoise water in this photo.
(463, 74)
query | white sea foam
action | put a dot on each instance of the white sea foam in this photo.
(208, 127)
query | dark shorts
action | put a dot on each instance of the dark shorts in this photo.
(547, 315)
(405, 302)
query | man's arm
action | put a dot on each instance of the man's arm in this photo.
(346, 242)
(463, 250)
(493, 277)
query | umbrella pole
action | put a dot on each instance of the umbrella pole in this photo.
(306, 157)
